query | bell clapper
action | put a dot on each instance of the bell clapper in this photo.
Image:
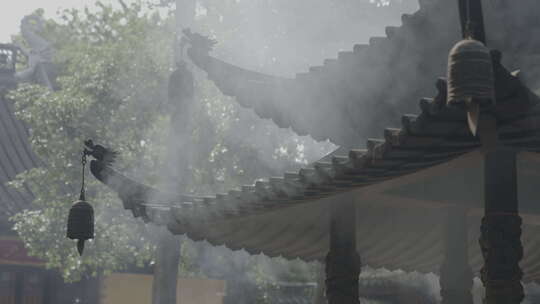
(80, 246)
(471, 80)
(473, 117)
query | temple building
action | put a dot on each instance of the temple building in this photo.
(451, 190)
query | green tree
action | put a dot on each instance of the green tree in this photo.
(114, 65)
(112, 73)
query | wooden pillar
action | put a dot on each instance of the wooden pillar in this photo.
(166, 268)
(342, 261)
(500, 238)
(19, 285)
(456, 275)
(49, 286)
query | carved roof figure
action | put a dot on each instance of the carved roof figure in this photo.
(40, 53)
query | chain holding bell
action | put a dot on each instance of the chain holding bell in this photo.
(80, 225)
(470, 79)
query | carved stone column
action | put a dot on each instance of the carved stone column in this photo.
(500, 238)
(342, 261)
(456, 275)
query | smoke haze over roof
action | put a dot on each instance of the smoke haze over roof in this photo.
(12, 12)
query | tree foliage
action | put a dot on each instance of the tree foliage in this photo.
(111, 83)
(114, 65)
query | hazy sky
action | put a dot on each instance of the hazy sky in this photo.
(12, 11)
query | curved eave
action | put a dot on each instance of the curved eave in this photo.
(330, 101)
(288, 216)
(406, 236)
(289, 103)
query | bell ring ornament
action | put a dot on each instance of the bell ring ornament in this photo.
(470, 79)
(80, 224)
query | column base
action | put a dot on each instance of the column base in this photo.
(342, 272)
(500, 242)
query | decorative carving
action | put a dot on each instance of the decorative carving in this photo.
(31, 26)
(40, 54)
(502, 250)
(198, 42)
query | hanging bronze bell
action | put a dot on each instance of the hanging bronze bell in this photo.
(80, 224)
(470, 78)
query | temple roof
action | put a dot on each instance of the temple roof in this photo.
(350, 98)
(402, 185)
(16, 156)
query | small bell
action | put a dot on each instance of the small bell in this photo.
(470, 79)
(80, 225)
